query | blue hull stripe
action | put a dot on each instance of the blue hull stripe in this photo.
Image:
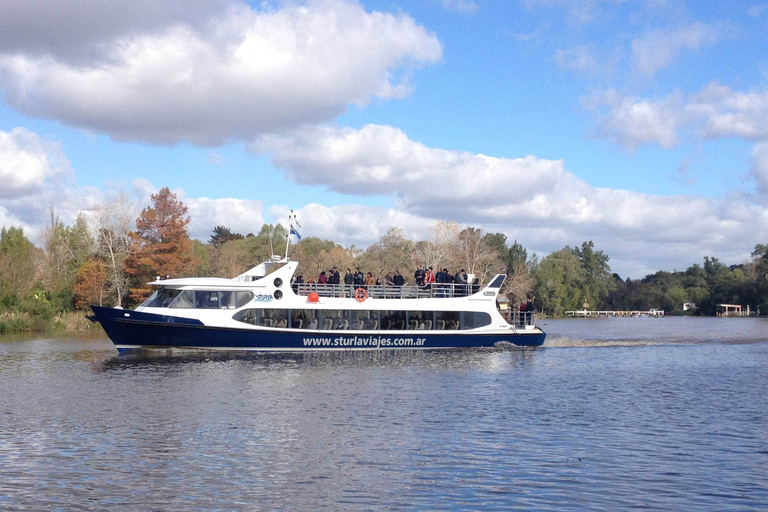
(133, 329)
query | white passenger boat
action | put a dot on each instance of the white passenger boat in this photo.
(260, 310)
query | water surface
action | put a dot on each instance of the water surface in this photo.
(656, 414)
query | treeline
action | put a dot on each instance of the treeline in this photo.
(108, 257)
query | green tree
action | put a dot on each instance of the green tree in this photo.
(560, 283)
(17, 264)
(222, 234)
(66, 250)
(599, 281)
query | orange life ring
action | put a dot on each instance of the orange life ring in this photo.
(361, 294)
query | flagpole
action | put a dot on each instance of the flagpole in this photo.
(291, 219)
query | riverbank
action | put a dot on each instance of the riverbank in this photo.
(22, 321)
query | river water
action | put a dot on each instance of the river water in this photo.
(651, 414)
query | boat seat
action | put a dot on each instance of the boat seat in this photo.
(413, 325)
(327, 323)
(441, 325)
(427, 325)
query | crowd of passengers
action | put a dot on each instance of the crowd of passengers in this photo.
(421, 278)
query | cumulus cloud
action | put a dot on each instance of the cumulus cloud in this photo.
(27, 162)
(382, 160)
(715, 112)
(78, 30)
(243, 73)
(239, 215)
(631, 121)
(729, 113)
(656, 49)
(533, 200)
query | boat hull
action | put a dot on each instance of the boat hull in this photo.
(131, 330)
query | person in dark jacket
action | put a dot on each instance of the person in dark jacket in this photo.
(419, 276)
(349, 278)
(335, 278)
(398, 278)
(359, 278)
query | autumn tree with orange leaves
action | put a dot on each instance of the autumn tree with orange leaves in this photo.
(161, 244)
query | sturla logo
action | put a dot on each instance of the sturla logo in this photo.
(262, 298)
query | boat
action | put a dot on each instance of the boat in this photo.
(263, 310)
(267, 309)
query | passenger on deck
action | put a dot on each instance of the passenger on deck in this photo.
(322, 279)
(430, 277)
(419, 276)
(398, 279)
(349, 278)
(334, 278)
(359, 278)
(369, 280)
(388, 279)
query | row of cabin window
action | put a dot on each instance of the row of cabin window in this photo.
(364, 320)
(197, 299)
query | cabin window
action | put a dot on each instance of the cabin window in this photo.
(473, 319)
(264, 317)
(198, 299)
(333, 320)
(162, 298)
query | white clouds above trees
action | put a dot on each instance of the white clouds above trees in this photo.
(556, 208)
(245, 72)
(27, 161)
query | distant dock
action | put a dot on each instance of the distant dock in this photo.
(585, 313)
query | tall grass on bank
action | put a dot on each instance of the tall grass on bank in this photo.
(15, 321)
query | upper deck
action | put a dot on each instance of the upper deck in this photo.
(408, 291)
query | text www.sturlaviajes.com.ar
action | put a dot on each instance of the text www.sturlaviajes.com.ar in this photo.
(364, 341)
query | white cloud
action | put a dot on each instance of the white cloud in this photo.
(728, 113)
(716, 112)
(532, 200)
(245, 72)
(27, 162)
(656, 49)
(382, 160)
(239, 215)
(632, 122)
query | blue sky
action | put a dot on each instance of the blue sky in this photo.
(641, 125)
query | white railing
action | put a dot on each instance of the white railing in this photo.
(434, 290)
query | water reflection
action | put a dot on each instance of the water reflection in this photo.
(653, 427)
(440, 360)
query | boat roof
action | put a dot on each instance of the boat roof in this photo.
(275, 266)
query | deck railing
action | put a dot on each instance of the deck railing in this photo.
(518, 318)
(434, 290)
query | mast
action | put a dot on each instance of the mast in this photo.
(291, 231)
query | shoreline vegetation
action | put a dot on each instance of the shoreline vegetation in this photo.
(108, 254)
